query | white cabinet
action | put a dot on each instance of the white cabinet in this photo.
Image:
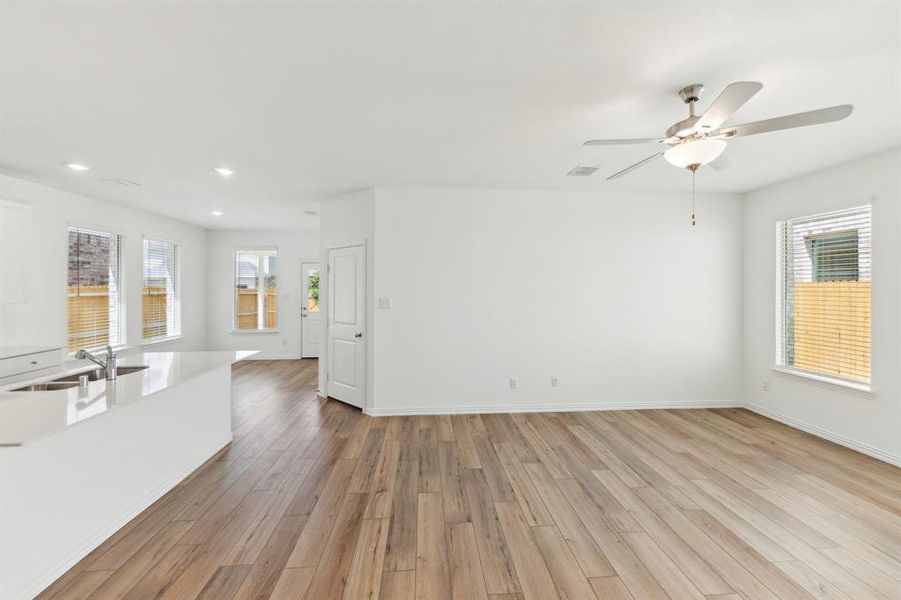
(15, 242)
(20, 360)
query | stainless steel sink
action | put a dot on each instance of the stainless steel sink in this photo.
(98, 374)
(70, 381)
(46, 387)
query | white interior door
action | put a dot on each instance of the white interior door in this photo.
(345, 376)
(310, 325)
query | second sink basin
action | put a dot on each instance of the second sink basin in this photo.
(98, 374)
(46, 387)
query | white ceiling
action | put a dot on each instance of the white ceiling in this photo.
(307, 101)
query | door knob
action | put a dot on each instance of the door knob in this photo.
(358, 335)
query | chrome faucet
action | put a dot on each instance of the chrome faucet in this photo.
(109, 366)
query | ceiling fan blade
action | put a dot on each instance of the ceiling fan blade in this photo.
(804, 119)
(620, 142)
(730, 100)
(631, 168)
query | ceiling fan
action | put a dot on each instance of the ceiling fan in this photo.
(699, 140)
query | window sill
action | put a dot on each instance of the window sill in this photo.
(97, 350)
(862, 389)
(254, 331)
(171, 338)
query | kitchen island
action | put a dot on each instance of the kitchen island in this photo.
(77, 464)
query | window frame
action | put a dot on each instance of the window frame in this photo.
(122, 285)
(234, 278)
(177, 334)
(783, 270)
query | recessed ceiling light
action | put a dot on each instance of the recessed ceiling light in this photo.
(224, 171)
(78, 167)
(218, 213)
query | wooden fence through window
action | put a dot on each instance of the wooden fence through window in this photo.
(247, 308)
(832, 321)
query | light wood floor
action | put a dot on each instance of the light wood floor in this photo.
(315, 500)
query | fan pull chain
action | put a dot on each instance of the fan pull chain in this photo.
(693, 221)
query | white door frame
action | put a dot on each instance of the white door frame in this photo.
(324, 300)
(303, 275)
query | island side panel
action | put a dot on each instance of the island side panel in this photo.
(62, 495)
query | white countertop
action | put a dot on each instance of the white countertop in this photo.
(27, 416)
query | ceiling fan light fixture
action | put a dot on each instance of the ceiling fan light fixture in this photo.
(694, 152)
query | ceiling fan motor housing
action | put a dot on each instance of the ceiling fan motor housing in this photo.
(683, 128)
(689, 95)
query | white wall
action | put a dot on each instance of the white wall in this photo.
(293, 247)
(349, 218)
(615, 294)
(42, 320)
(870, 423)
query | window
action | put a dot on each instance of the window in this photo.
(835, 256)
(161, 308)
(96, 308)
(255, 290)
(823, 304)
(312, 275)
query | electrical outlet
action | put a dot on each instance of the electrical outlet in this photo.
(385, 303)
(554, 381)
(513, 383)
(765, 385)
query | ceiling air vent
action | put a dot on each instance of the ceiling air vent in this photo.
(582, 171)
(122, 182)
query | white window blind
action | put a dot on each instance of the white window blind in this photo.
(161, 310)
(96, 306)
(256, 289)
(823, 304)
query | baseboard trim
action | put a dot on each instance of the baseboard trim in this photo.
(529, 408)
(507, 408)
(123, 519)
(826, 434)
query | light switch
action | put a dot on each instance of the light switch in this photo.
(385, 303)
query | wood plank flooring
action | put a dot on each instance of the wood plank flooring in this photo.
(314, 500)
